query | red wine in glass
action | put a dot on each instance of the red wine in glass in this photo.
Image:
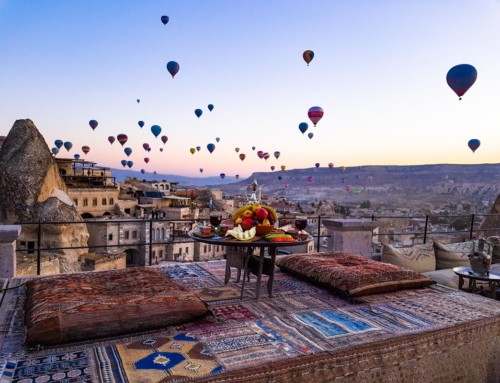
(300, 224)
(215, 221)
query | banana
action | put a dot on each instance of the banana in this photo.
(272, 213)
(240, 211)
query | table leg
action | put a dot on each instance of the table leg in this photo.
(246, 272)
(259, 272)
(460, 282)
(270, 281)
(227, 276)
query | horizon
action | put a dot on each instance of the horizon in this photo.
(381, 82)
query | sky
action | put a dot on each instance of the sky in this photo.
(379, 73)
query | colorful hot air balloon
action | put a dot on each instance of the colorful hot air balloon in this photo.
(236, 150)
(309, 179)
(77, 156)
(164, 139)
(130, 164)
(210, 107)
(85, 149)
(164, 20)
(277, 154)
(286, 186)
(192, 150)
(58, 143)
(474, 144)
(330, 165)
(122, 138)
(303, 126)
(111, 139)
(128, 151)
(201, 170)
(315, 114)
(217, 139)
(348, 188)
(140, 123)
(124, 163)
(310, 135)
(198, 148)
(272, 168)
(242, 156)
(173, 67)
(266, 156)
(211, 147)
(280, 178)
(146, 159)
(260, 153)
(54, 151)
(198, 112)
(143, 171)
(145, 146)
(68, 145)
(161, 149)
(222, 175)
(283, 167)
(308, 56)
(237, 176)
(460, 78)
(253, 147)
(156, 130)
(93, 124)
(317, 165)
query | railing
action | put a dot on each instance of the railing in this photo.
(148, 240)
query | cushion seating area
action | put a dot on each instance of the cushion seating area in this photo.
(71, 307)
(350, 274)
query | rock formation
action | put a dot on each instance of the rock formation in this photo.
(32, 191)
(491, 224)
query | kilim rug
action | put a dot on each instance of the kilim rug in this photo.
(303, 334)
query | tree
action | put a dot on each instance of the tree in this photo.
(365, 204)
(461, 223)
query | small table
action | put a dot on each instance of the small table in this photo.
(466, 272)
(251, 245)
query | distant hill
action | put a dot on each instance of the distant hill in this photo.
(121, 174)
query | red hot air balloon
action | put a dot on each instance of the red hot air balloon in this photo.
(164, 139)
(460, 78)
(122, 139)
(315, 114)
(309, 179)
(145, 146)
(266, 156)
(111, 139)
(260, 153)
(146, 159)
(85, 149)
(330, 165)
(242, 156)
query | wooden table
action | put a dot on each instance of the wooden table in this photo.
(250, 246)
(492, 278)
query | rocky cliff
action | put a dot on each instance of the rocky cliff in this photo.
(33, 191)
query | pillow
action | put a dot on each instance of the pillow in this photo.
(72, 307)
(419, 258)
(453, 255)
(352, 275)
(495, 248)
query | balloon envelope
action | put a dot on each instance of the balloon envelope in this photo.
(266, 156)
(145, 146)
(173, 67)
(460, 78)
(156, 130)
(143, 171)
(164, 139)
(260, 153)
(303, 126)
(201, 170)
(192, 150)
(309, 179)
(277, 154)
(280, 178)
(198, 112)
(217, 139)
(77, 156)
(283, 167)
(253, 147)
(164, 20)
(474, 144)
(124, 163)
(242, 156)
(146, 159)
(272, 168)
(237, 176)
(68, 145)
(111, 139)
(85, 149)
(122, 139)
(140, 123)
(55, 151)
(138, 101)
(317, 165)
(198, 148)
(315, 114)
(59, 143)
(310, 135)
(210, 107)
(236, 150)
(330, 165)
(93, 124)
(211, 147)
(130, 164)
(222, 175)
(308, 55)
(128, 151)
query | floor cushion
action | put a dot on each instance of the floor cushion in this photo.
(350, 274)
(453, 255)
(448, 278)
(420, 258)
(72, 307)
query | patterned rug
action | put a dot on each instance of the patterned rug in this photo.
(300, 321)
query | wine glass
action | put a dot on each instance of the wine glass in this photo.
(300, 224)
(215, 221)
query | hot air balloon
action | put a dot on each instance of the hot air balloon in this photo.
(122, 138)
(242, 156)
(280, 178)
(236, 150)
(77, 156)
(146, 159)
(59, 143)
(198, 112)
(309, 179)
(348, 188)
(474, 144)
(161, 149)
(68, 145)
(260, 153)
(303, 126)
(222, 175)
(164, 139)
(198, 148)
(308, 56)
(310, 135)
(237, 176)
(164, 20)
(317, 165)
(140, 123)
(138, 101)
(253, 147)
(344, 180)
(156, 130)
(286, 186)
(111, 139)
(277, 154)
(266, 156)
(2, 139)
(124, 163)
(210, 107)
(130, 164)
(145, 146)
(201, 170)
(211, 147)
(85, 149)
(192, 150)
(460, 78)
(93, 124)
(143, 171)
(54, 151)
(217, 139)
(315, 114)
(128, 151)
(356, 190)
(283, 167)
(330, 165)
(173, 68)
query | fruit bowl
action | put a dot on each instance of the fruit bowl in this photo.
(263, 229)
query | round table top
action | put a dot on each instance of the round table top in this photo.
(254, 242)
(467, 272)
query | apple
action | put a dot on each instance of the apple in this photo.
(247, 224)
(261, 214)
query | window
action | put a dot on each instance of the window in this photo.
(85, 202)
(134, 234)
(204, 248)
(187, 250)
(126, 234)
(153, 235)
(161, 254)
(110, 237)
(94, 201)
(162, 233)
(75, 201)
(111, 201)
(104, 201)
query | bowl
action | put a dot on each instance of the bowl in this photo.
(263, 229)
